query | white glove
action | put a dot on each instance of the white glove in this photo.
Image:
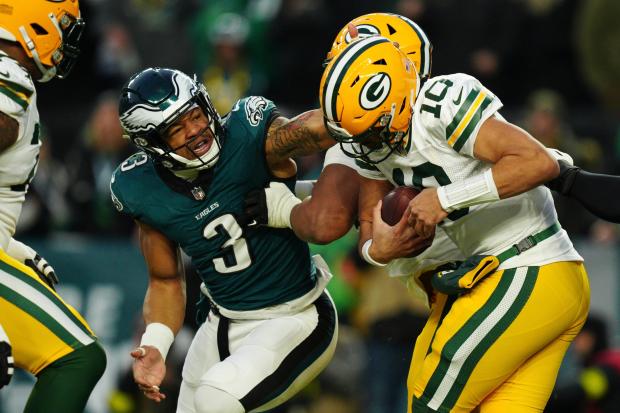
(280, 202)
(26, 255)
(561, 156)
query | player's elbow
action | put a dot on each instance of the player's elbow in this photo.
(547, 167)
(328, 226)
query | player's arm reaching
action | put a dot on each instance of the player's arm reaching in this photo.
(519, 161)
(164, 309)
(598, 193)
(302, 135)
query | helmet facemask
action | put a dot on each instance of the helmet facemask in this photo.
(147, 122)
(64, 57)
(379, 139)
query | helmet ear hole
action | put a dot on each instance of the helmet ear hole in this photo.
(402, 106)
(38, 29)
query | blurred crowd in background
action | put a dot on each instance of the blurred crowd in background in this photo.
(555, 64)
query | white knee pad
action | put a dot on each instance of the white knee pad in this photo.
(208, 399)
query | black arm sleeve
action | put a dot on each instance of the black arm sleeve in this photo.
(598, 193)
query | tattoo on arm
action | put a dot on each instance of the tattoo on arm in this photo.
(9, 128)
(289, 139)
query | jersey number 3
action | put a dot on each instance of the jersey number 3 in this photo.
(235, 254)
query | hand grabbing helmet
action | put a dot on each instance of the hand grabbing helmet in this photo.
(367, 94)
(49, 31)
(410, 37)
(152, 101)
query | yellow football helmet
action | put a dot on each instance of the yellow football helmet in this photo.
(48, 30)
(367, 94)
(410, 37)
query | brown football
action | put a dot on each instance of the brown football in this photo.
(395, 203)
(393, 207)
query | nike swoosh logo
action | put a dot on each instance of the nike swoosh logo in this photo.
(457, 101)
(5, 74)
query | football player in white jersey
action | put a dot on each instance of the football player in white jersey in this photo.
(522, 281)
(47, 337)
(332, 209)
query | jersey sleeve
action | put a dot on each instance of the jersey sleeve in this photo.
(121, 183)
(257, 113)
(453, 108)
(16, 89)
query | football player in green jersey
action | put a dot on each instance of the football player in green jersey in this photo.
(39, 40)
(271, 327)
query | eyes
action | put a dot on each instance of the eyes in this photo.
(187, 122)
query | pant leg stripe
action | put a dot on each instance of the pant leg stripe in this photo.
(298, 359)
(462, 352)
(444, 311)
(45, 291)
(38, 305)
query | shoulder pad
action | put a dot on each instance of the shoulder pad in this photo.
(16, 87)
(254, 109)
(452, 108)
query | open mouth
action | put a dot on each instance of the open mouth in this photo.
(201, 145)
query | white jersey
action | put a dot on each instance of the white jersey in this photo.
(18, 162)
(447, 117)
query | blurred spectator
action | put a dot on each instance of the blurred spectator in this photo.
(597, 387)
(230, 76)
(545, 119)
(391, 319)
(91, 164)
(301, 36)
(117, 57)
(46, 207)
(598, 42)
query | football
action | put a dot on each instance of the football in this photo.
(395, 203)
(393, 207)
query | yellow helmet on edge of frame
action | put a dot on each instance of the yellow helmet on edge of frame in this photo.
(367, 94)
(410, 37)
(48, 30)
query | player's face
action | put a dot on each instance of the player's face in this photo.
(190, 136)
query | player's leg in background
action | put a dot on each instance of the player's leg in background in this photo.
(476, 343)
(65, 385)
(50, 339)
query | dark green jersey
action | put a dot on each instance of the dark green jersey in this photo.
(243, 269)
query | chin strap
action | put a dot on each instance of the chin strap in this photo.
(47, 74)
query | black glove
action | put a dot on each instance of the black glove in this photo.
(255, 210)
(45, 271)
(564, 182)
(23, 253)
(6, 363)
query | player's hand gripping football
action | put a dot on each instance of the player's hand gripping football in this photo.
(426, 212)
(149, 370)
(390, 242)
(26, 255)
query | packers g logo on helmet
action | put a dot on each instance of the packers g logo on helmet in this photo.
(367, 94)
(375, 91)
(49, 31)
(410, 37)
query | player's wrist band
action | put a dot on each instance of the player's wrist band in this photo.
(471, 191)
(159, 336)
(366, 254)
